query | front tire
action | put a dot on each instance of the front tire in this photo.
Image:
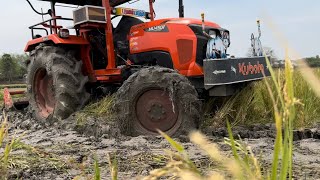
(56, 85)
(157, 98)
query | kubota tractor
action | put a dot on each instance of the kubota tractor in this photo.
(159, 69)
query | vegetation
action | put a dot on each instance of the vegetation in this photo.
(249, 108)
(7, 147)
(32, 158)
(12, 67)
(313, 61)
(2, 86)
(102, 108)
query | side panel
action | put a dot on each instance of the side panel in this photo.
(176, 39)
(72, 40)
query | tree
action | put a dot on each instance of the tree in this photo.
(313, 61)
(12, 67)
(20, 60)
(8, 68)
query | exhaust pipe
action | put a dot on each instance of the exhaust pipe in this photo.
(181, 9)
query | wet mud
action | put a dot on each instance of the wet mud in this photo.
(65, 151)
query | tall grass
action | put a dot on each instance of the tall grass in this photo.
(6, 146)
(254, 105)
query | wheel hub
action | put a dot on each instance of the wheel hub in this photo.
(44, 92)
(155, 110)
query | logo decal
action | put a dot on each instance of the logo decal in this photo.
(251, 69)
(160, 28)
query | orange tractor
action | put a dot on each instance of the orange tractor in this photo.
(159, 69)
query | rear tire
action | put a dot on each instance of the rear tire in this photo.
(157, 98)
(56, 85)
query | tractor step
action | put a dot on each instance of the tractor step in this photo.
(11, 103)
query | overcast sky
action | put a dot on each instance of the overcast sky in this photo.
(298, 20)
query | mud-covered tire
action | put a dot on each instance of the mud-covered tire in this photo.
(67, 83)
(183, 97)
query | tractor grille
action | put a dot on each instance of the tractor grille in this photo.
(201, 43)
(185, 49)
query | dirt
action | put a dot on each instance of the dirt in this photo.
(60, 152)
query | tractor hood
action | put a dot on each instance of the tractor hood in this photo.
(113, 3)
(188, 21)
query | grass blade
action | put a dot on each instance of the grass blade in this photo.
(172, 142)
(97, 175)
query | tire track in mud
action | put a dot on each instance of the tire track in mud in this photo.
(65, 154)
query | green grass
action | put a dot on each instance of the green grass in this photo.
(254, 105)
(7, 145)
(102, 108)
(2, 86)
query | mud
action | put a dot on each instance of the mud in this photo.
(61, 152)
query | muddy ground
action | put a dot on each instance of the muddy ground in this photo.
(63, 153)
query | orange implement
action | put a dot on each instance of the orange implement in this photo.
(9, 103)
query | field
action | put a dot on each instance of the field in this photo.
(88, 145)
(251, 106)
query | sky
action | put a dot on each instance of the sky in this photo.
(298, 21)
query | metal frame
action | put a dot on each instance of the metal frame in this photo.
(53, 28)
(111, 73)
